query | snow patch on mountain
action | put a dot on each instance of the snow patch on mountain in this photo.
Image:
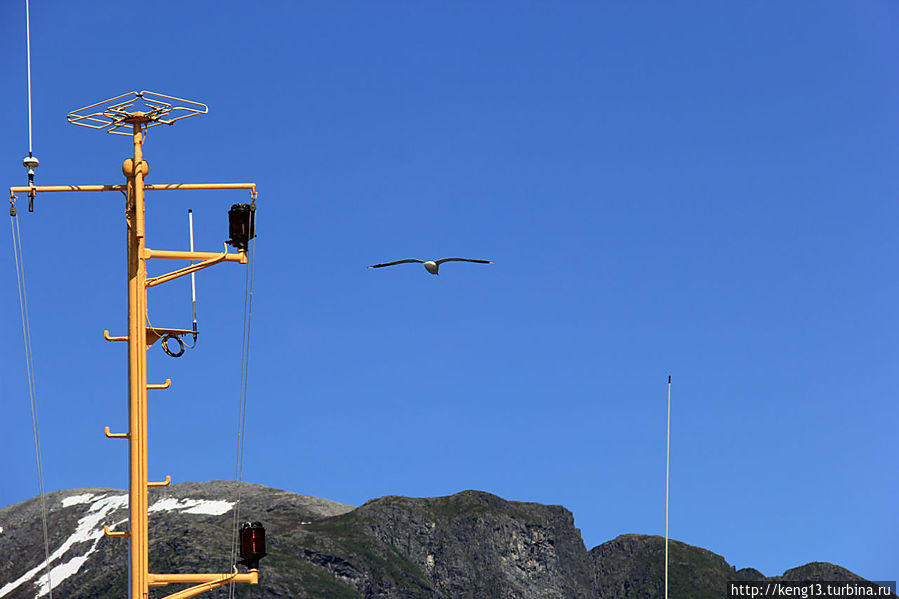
(77, 499)
(206, 507)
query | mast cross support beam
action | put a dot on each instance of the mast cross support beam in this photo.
(240, 257)
(149, 187)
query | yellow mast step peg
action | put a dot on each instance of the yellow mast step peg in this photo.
(111, 435)
(115, 533)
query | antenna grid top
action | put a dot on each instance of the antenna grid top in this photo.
(144, 107)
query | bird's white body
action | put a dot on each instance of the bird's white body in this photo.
(431, 266)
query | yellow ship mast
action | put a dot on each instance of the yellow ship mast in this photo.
(117, 116)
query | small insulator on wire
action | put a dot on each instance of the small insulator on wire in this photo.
(30, 162)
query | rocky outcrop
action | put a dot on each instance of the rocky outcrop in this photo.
(472, 544)
(818, 571)
(633, 566)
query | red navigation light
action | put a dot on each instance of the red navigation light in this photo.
(252, 544)
(241, 225)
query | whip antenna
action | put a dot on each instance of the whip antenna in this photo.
(193, 275)
(30, 162)
(667, 463)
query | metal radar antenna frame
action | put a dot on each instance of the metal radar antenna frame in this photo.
(131, 114)
(117, 114)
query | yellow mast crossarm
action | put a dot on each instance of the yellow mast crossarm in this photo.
(176, 186)
(158, 580)
(240, 257)
(149, 187)
(152, 282)
(48, 188)
(207, 582)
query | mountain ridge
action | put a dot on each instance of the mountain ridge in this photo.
(469, 544)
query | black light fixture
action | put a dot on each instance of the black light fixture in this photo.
(241, 225)
(252, 544)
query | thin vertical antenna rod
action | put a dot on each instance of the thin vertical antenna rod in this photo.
(667, 464)
(193, 275)
(28, 59)
(30, 161)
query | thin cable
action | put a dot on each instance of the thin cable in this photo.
(667, 464)
(242, 410)
(29, 374)
(28, 52)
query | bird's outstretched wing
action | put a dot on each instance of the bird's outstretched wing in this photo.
(442, 260)
(397, 262)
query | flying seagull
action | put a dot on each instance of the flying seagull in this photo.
(431, 265)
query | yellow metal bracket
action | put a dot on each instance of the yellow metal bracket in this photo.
(240, 256)
(154, 335)
(111, 435)
(207, 581)
(215, 259)
(165, 385)
(115, 533)
(165, 483)
(153, 281)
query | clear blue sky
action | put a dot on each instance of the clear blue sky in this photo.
(701, 189)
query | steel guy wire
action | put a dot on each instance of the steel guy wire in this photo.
(29, 374)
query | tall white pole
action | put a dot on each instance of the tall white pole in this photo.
(667, 465)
